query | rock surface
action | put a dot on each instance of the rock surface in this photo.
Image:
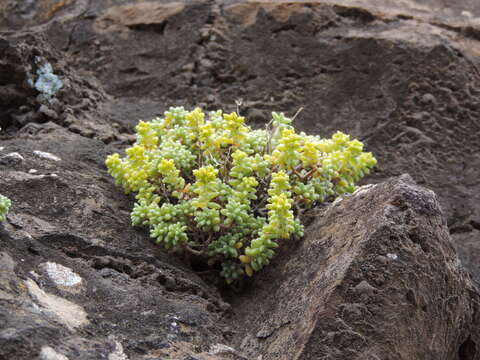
(402, 76)
(375, 278)
(77, 277)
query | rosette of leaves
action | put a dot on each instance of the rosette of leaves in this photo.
(208, 184)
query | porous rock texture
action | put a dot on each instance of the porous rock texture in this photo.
(376, 276)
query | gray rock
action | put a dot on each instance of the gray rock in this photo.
(63, 277)
(48, 112)
(11, 159)
(6, 263)
(46, 155)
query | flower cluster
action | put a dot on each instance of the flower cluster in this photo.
(210, 185)
(4, 207)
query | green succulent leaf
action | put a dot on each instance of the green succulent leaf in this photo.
(211, 185)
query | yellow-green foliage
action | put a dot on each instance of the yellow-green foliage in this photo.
(4, 207)
(214, 187)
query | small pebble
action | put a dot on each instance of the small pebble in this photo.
(429, 99)
(364, 288)
(392, 256)
(48, 112)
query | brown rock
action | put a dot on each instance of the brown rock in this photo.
(376, 277)
(136, 15)
(21, 55)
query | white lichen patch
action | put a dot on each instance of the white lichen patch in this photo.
(61, 275)
(221, 348)
(48, 353)
(45, 82)
(46, 155)
(118, 354)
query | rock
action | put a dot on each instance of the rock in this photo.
(76, 266)
(59, 309)
(364, 288)
(47, 353)
(46, 155)
(468, 248)
(330, 297)
(429, 99)
(48, 112)
(21, 56)
(118, 353)
(63, 277)
(142, 15)
(11, 159)
(6, 263)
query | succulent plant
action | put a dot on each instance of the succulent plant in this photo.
(211, 185)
